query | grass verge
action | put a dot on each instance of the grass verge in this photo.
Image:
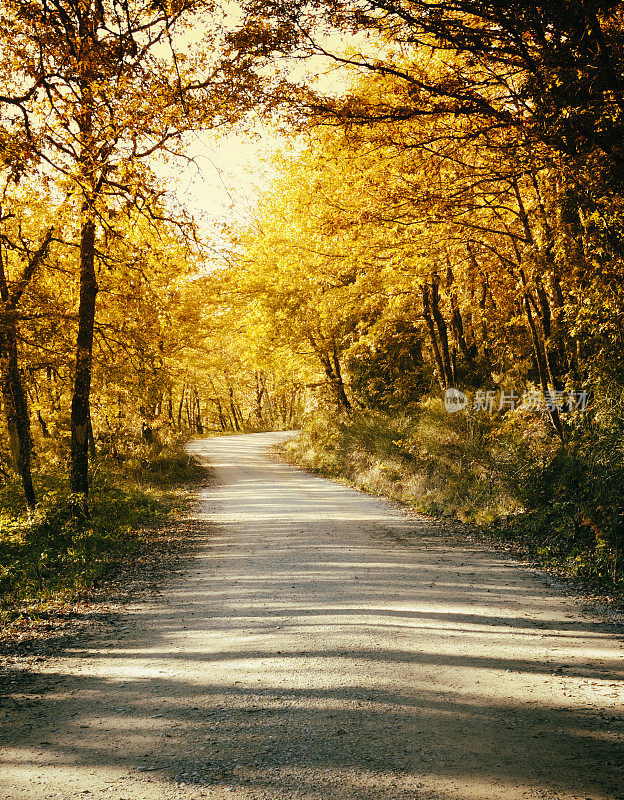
(561, 506)
(57, 554)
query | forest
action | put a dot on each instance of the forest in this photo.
(431, 288)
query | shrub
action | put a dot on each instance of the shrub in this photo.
(59, 550)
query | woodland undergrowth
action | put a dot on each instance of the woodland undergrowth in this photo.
(54, 554)
(558, 504)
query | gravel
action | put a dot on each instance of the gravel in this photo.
(323, 645)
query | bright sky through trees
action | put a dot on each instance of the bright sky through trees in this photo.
(226, 176)
(230, 170)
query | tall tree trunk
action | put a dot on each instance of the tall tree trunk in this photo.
(198, 423)
(442, 376)
(540, 358)
(181, 406)
(260, 379)
(170, 404)
(80, 411)
(542, 307)
(13, 392)
(469, 351)
(222, 419)
(233, 408)
(331, 364)
(187, 406)
(551, 352)
(443, 331)
(335, 382)
(340, 386)
(541, 353)
(16, 407)
(44, 426)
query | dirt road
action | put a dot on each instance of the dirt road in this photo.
(324, 646)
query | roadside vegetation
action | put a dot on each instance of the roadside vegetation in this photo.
(57, 553)
(561, 506)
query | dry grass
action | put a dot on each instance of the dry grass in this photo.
(438, 463)
(562, 505)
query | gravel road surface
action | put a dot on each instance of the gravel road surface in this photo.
(324, 645)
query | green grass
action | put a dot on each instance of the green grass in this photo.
(56, 553)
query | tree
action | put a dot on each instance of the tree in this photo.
(107, 88)
(547, 67)
(13, 392)
(442, 227)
